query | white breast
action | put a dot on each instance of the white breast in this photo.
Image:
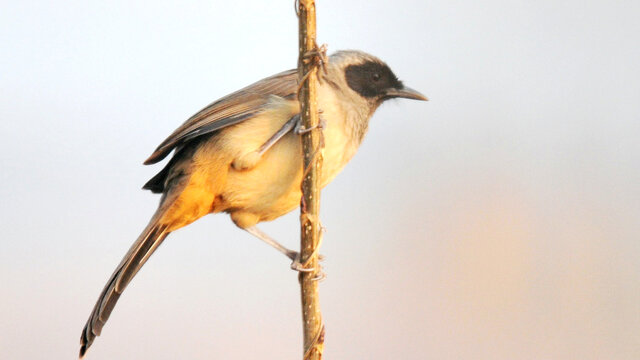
(340, 142)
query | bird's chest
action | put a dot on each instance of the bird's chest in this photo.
(340, 143)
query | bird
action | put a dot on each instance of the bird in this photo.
(242, 155)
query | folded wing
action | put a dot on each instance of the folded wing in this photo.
(229, 110)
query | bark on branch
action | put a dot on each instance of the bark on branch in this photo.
(313, 327)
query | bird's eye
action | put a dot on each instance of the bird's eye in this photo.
(376, 76)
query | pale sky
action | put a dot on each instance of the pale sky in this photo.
(497, 221)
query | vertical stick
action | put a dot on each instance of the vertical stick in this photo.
(313, 327)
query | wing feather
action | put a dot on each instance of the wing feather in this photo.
(229, 110)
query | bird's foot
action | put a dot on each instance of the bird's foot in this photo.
(300, 129)
(297, 265)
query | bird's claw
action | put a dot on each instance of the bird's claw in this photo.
(298, 266)
(300, 129)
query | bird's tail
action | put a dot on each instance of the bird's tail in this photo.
(139, 253)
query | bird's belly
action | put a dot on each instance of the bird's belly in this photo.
(272, 188)
(268, 190)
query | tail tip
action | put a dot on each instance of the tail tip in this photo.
(84, 345)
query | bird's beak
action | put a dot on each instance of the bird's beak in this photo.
(407, 93)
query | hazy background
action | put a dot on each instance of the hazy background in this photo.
(500, 220)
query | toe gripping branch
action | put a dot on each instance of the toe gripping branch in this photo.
(297, 265)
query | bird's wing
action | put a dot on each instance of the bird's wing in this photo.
(229, 110)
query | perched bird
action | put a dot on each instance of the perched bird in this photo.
(242, 155)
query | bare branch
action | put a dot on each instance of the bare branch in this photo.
(308, 63)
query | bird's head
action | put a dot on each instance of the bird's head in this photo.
(371, 78)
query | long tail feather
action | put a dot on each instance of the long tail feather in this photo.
(139, 253)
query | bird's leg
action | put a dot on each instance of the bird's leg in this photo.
(253, 230)
(279, 134)
(249, 160)
(291, 254)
